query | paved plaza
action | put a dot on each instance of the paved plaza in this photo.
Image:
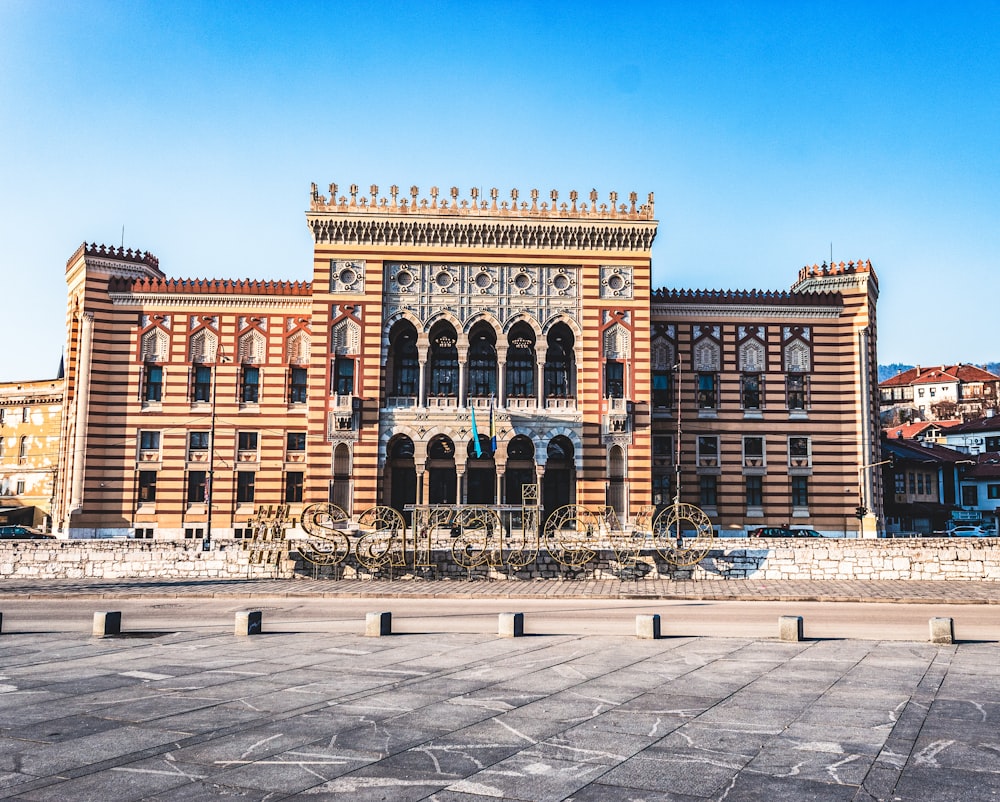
(178, 708)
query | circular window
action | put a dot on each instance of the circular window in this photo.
(560, 282)
(404, 278)
(616, 282)
(443, 279)
(484, 280)
(348, 276)
(522, 281)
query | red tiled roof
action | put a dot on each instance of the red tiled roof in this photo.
(919, 375)
(909, 431)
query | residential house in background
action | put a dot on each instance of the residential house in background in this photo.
(920, 485)
(939, 393)
(30, 420)
(975, 436)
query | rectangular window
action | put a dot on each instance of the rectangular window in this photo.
(197, 441)
(708, 397)
(196, 487)
(19, 490)
(755, 491)
(194, 533)
(662, 494)
(663, 391)
(297, 386)
(798, 452)
(201, 388)
(900, 482)
(26, 415)
(149, 440)
(920, 484)
(663, 449)
(992, 491)
(293, 487)
(143, 533)
(708, 451)
(343, 376)
(750, 391)
(247, 441)
(753, 451)
(296, 441)
(707, 490)
(147, 485)
(970, 496)
(614, 379)
(250, 386)
(152, 385)
(796, 387)
(913, 484)
(993, 443)
(800, 491)
(245, 481)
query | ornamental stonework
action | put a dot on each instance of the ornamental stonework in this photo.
(616, 281)
(347, 276)
(471, 289)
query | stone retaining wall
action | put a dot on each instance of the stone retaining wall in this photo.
(917, 559)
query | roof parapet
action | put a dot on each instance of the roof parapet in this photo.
(837, 269)
(480, 207)
(209, 286)
(121, 254)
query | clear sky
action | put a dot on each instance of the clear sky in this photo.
(767, 131)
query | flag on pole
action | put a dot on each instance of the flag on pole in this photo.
(493, 431)
(475, 435)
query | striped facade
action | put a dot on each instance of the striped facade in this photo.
(189, 403)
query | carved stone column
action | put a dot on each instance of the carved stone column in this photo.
(540, 383)
(422, 393)
(501, 376)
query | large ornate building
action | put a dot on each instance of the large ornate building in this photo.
(455, 350)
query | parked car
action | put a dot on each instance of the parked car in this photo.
(782, 531)
(969, 530)
(21, 533)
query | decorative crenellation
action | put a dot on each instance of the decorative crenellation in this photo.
(835, 269)
(771, 297)
(111, 252)
(123, 284)
(475, 205)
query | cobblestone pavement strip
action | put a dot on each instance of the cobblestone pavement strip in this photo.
(896, 591)
(457, 716)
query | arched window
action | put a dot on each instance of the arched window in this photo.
(403, 360)
(22, 450)
(521, 362)
(402, 448)
(441, 447)
(444, 361)
(482, 362)
(559, 363)
(202, 346)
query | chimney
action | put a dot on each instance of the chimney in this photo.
(918, 371)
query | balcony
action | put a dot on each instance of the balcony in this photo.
(617, 420)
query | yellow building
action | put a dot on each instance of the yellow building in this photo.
(528, 321)
(30, 418)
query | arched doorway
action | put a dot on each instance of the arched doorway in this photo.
(560, 475)
(520, 468)
(616, 497)
(480, 474)
(402, 475)
(441, 475)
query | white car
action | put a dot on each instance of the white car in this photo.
(969, 530)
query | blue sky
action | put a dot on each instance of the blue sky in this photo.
(766, 130)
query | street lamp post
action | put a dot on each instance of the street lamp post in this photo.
(206, 544)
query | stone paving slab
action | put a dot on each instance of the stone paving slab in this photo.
(464, 717)
(897, 591)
